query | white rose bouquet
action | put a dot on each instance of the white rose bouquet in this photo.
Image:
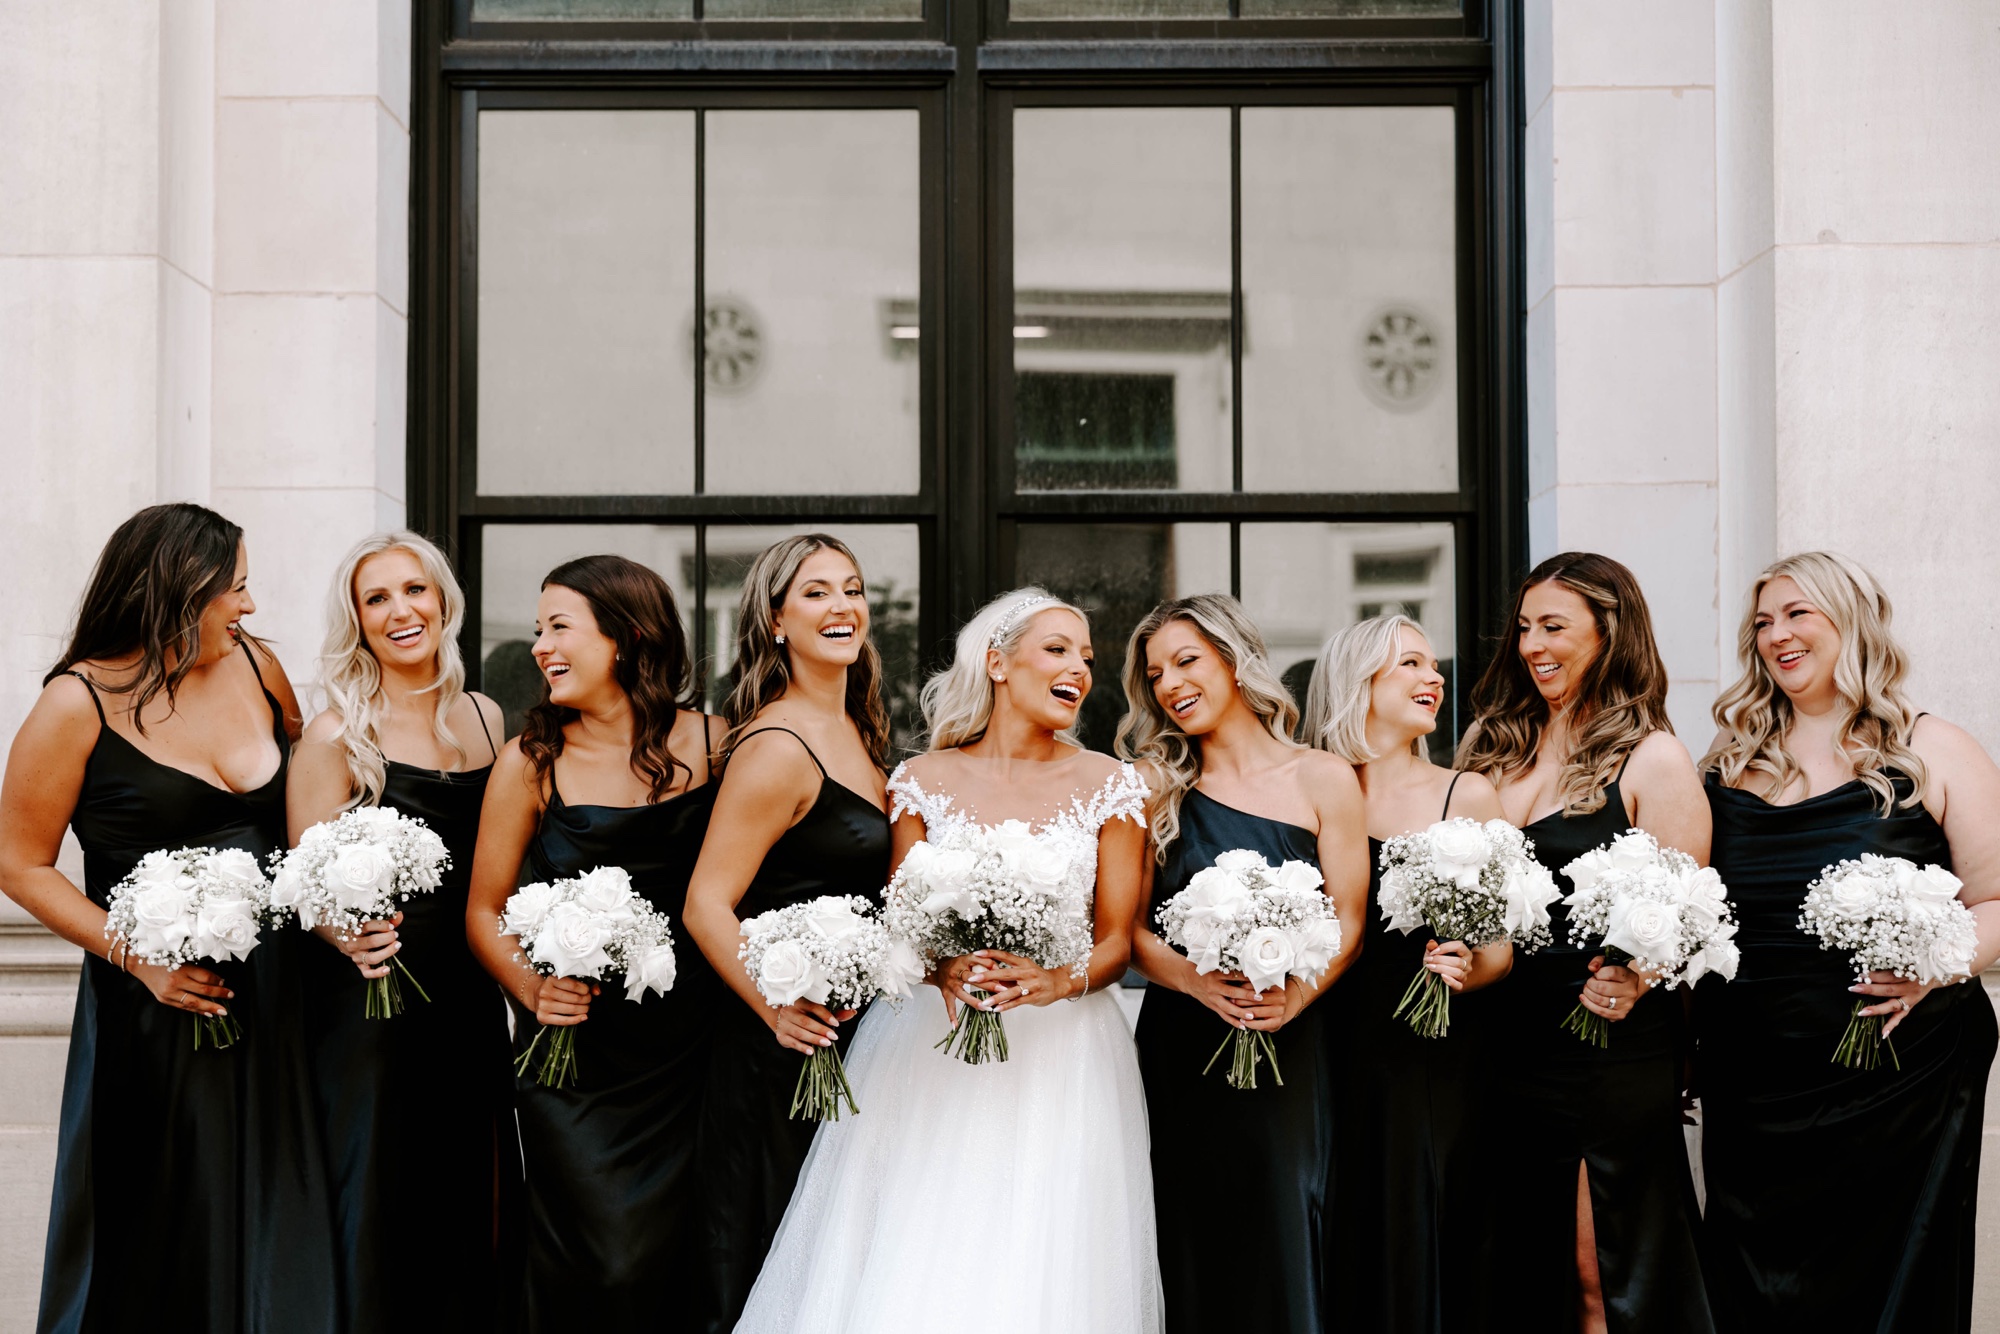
(1467, 881)
(192, 905)
(586, 927)
(1653, 908)
(359, 867)
(1267, 923)
(833, 951)
(1000, 888)
(1894, 916)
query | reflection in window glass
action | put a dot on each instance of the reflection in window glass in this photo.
(1349, 299)
(586, 273)
(1117, 573)
(1121, 298)
(1335, 8)
(1118, 9)
(583, 9)
(812, 9)
(812, 235)
(1303, 581)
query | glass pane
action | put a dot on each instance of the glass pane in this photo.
(1324, 8)
(586, 296)
(813, 9)
(888, 554)
(514, 560)
(1118, 573)
(812, 285)
(1121, 299)
(1350, 372)
(1118, 9)
(1303, 581)
(583, 9)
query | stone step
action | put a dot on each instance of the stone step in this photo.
(38, 972)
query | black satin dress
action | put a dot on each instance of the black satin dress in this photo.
(1266, 1181)
(190, 1192)
(613, 1210)
(1838, 1200)
(1616, 1109)
(1403, 1234)
(751, 1149)
(417, 1109)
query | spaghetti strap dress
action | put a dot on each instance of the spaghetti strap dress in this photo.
(190, 1192)
(1272, 1174)
(1616, 1109)
(1402, 1231)
(1838, 1200)
(417, 1109)
(751, 1149)
(612, 1212)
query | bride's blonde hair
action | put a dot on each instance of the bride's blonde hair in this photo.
(352, 678)
(1754, 715)
(958, 701)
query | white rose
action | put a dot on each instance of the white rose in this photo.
(606, 891)
(1587, 870)
(226, 928)
(1297, 875)
(1198, 933)
(359, 875)
(833, 917)
(1643, 929)
(1399, 908)
(1527, 894)
(1012, 839)
(163, 917)
(1705, 896)
(157, 868)
(960, 901)
(789, 974)
(902, 969)
(1852, 897)
(1634, 850)
(917, 861)
(654, 971)
(1318, 941)
(1044, 866)
(1717, 955)
(950, 868)
(572, 941)
(527, 908)
(1238, 861)
(1209, 957)
(316, 836)
(1268, 957)
(1932, 886)
(1459, 851)
(235, 867)
(287, 886)
(1946, 957)
(373, 820)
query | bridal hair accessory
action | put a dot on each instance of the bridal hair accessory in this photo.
(1013, 617)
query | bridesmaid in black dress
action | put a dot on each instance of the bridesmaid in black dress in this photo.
(1838, 1199)
(1571, 727)
(800, 813)
(611, 769)
(416, 1111)
(189, 1194)
(1210, 725)
(1407, 1212)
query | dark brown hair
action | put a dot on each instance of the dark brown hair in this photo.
(152, 582)
(634, 609)
(1619, 702)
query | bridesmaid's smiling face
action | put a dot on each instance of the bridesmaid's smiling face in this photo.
(1047, 676)
(399, 610)
(576, 658)
(222, 618)
(1797, 642)
(1405, 696)
(1191, 679)
(1558, 638)
(824, 618)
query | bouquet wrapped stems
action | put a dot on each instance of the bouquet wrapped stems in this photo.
(385, 994)
(558, 1068)
(1426, 1004)
(822, 1088)
(1252, 1046)
(1862, 1044)
(977, 1037)
(1592, 1027)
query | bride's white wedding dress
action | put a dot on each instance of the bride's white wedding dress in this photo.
(1009, 1195)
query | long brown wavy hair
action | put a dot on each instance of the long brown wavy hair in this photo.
(764, 666)
(1754, 715)
(155, 577)
(1619, 702)
(634, 608)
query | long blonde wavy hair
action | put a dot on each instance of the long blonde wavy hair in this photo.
(1620, 700)
(352, 678)
(764, 666)
(1754, 715)
(1148, 735)
(1343, 682)
(958, 701)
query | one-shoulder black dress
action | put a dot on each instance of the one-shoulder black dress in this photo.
(613, 1209)
(1262, 1176)
(1615, 1108)
(1403, 1231)
(417, 1109)
(1838, 1200)
(751, 1149)
(190, 1190)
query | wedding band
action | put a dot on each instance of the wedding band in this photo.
(1902, 1005)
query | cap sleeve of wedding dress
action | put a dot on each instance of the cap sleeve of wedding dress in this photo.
(1123, 797)
(907, 797)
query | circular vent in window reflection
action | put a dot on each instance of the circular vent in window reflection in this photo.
(1399, 358)
(732, 345)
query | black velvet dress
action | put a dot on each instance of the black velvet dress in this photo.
(1267, 1177)
(613, 1210)
(751, 1149)
(417, 1109)
(1838, 1200)
(190, 1190)
(1616, 1109)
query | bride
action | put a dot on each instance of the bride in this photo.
(1017, 1193)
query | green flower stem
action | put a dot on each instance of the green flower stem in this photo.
(977, 1037)
(822, 1088)
(1588, 1025)
(1252, 1046)
(218, 1030)
(558, 1068)
(1427, 1004)
(1861, 1045)
(384, 996)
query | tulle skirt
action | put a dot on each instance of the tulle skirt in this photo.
(1018, 1193)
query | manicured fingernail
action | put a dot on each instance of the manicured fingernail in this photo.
(222, 1010)
(826, 1042)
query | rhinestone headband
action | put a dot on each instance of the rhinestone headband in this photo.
(1013, 617)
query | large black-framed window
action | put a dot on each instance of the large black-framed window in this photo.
(1049, 431)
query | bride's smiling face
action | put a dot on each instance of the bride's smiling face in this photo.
(1047, 676)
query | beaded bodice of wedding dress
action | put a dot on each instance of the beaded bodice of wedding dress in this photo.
(1046, 1154)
